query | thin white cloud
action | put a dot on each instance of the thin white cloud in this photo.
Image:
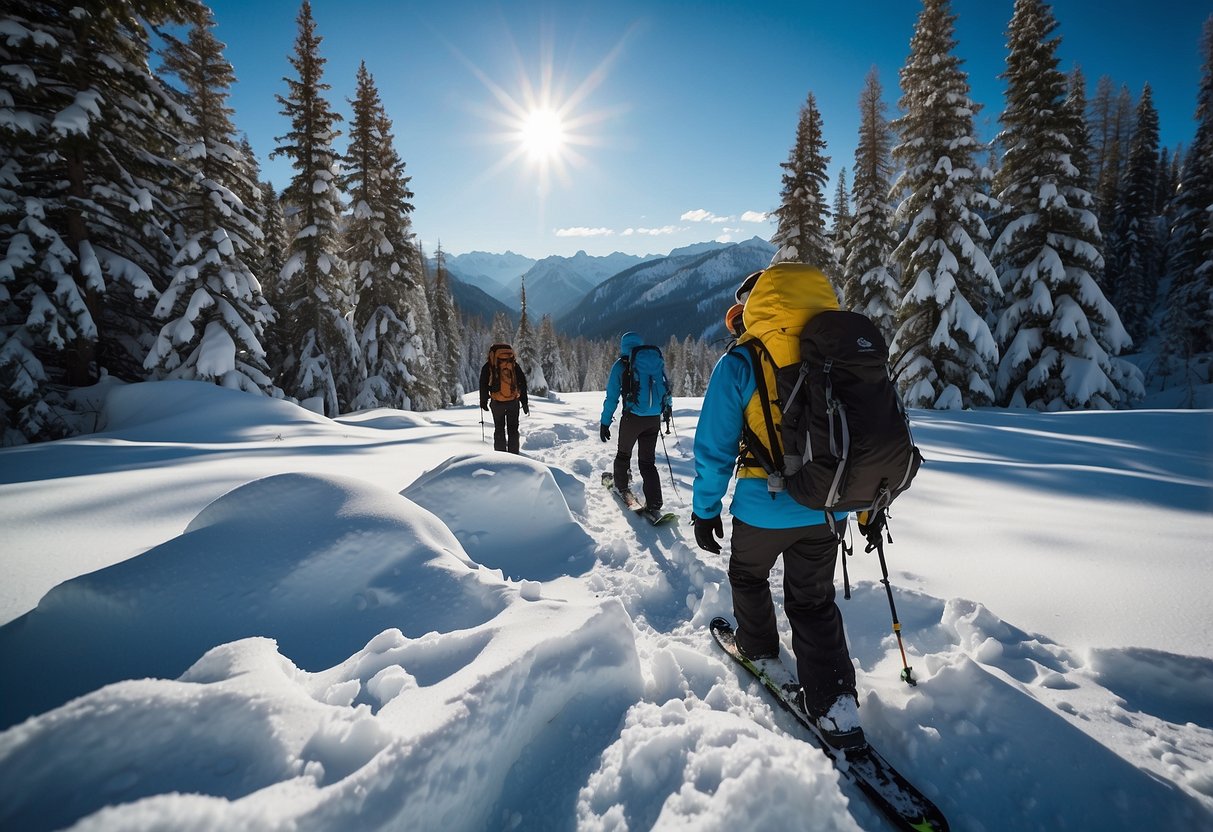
(582, 231)
(754, 216)
(700, 215)
(652, 232)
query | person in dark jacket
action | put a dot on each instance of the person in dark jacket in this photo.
(503, 390)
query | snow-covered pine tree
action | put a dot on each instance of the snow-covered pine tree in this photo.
(378, 237)
(1188, 327)
(214, 311)
(869, 284)
(87, 172)
(551, 358)
(943, 350)
(526, 351)
(248, 188)
(429, 393)
(1136, 250)
(674, 365)
(475, 349)
(800, 235)
(1058, 334)
(1100, 126)
(694, 367)
(27, 404)
(317, 301)
(275, 242)
(599, 357)
(1164, 191)
(1081, 147)
(448, 342)
(501, 328)
(840, 234)
(1111, 125)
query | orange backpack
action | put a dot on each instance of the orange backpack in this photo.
(502, 384)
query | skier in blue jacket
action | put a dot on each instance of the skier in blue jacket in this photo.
(639, 426)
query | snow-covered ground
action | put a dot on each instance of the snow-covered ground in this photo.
(225, 612)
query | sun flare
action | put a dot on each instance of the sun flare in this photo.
(542, 134)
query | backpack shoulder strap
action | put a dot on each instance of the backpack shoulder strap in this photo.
(752, 444)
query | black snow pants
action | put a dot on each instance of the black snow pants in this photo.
(642, 432)
(823, 662)
(505, 425)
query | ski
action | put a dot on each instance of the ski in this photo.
(888, 790)
(655, 517)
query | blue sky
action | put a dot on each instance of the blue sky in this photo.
(676, 114)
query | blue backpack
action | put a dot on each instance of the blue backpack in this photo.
(645, 387)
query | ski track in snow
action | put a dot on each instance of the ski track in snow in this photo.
(560, 682)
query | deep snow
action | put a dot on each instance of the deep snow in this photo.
(223, 611)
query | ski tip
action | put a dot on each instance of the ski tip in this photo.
(719, 623)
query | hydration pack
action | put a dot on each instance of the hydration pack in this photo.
(645, 387)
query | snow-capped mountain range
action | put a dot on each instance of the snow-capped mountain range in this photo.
(685, 292)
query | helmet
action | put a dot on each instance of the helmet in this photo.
(733, 320)
(747, 286)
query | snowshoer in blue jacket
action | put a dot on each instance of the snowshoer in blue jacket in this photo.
(639, 426)
(768, 524)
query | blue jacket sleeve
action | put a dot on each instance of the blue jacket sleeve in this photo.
(614, 388)
(719, 431)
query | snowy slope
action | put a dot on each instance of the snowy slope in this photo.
(225, 612)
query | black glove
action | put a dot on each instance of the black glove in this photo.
(604, 431)
(707, 529)
(484, 405)
(871, 525)
(526, 410)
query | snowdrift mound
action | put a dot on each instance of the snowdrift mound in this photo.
(384, 418)
(394, 737)
(195, 411)
(508, 513)
(320, 564)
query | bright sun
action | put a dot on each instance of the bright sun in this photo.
(542, 134)
(544, 124)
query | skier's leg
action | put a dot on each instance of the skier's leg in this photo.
(623, 455)
(646, 456)
(754, 551)
(498, 410)
(823, 662)
(511, 426)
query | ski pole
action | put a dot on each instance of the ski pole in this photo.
(875, 542)
(481, 428)
(673, 482)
